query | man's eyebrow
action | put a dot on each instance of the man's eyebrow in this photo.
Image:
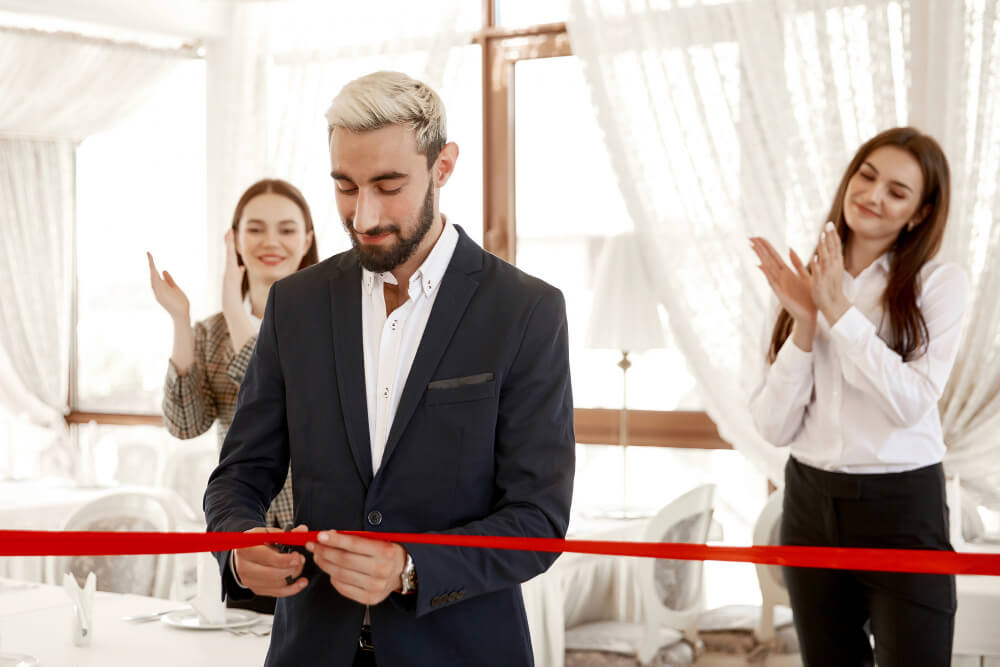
(387, 176)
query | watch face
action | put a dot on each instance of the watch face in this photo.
(409, 576)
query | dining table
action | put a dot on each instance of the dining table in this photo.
(37, 620)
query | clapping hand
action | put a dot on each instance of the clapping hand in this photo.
(792, 285)
(168, 294)
(828, 276)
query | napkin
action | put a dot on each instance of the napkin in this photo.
(83, 607)
(208, 601)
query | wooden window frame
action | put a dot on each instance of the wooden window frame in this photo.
(501, 50)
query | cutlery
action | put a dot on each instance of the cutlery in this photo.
(144, 618)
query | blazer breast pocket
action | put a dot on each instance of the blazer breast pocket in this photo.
(461, 389)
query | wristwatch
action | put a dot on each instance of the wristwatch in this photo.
(408, 577)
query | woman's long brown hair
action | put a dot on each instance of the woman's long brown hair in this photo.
(288, 191)
(908, 334)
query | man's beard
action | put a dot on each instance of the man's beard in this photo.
(378, 259)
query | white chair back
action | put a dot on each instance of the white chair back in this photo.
(138, 463)
(186, 471)
(770, 578)
(149, 575)
(673, 590)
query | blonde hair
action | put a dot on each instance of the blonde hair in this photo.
(383, 98)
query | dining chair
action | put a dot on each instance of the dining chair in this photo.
(763, 636)
(673, 597)
(186, 471)
(138, 463)
(149, 575)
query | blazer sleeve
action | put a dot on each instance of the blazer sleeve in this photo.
(253, 462)
(189, 407)
(535, 452)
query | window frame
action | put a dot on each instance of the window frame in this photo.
(501, 49)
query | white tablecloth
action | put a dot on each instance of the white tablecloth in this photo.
(580, 588)
(977, 622)
(38, 621)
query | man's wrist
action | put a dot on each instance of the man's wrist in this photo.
(232, 567)
(408, 577)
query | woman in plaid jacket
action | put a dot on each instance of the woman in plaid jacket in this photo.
(271, 237)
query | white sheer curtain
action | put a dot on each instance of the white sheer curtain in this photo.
(969, 49)
(57, 89)
(727, 120)
(35, 276)
(319, 47)
(273, 75)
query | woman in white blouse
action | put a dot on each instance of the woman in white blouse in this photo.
(858, 358)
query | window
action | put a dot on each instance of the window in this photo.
(567, 204)
(123, 343)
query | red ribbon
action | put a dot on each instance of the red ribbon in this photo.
(93, 543)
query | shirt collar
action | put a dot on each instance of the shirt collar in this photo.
(883, 264)
(249, 308)
(429, 275)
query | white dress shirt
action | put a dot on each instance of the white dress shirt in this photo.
(853, 404)
(390, 342)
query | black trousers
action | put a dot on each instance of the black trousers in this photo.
(911, 616)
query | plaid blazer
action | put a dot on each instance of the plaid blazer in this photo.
(208, 391)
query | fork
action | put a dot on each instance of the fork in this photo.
(146, 618)
(253, 630)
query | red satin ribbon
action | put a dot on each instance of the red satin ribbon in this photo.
(87, 543)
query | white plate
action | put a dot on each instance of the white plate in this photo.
(190, 620)
(17, 660)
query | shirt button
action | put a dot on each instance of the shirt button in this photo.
(385, 393)
(394, 323)
(374, 517)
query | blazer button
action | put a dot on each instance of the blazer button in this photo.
(374, 517)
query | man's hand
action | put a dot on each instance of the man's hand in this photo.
(266, 571)
(363, 570)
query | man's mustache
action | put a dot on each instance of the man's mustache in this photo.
(378, 231)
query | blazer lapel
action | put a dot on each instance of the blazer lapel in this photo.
(457, 289)
(345, 297)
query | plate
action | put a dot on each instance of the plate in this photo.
(17, 660)
(190, 620)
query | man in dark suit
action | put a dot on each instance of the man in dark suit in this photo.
(415, 384)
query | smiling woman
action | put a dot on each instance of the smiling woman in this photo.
(271, 237)
(859, 359)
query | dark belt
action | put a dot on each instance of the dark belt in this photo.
(365, 639)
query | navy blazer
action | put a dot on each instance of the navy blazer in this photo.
(482, 443)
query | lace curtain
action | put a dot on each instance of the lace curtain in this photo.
(58, 89)
(273, 76)
(737, 119)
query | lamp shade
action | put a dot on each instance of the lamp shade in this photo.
(624, 314)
